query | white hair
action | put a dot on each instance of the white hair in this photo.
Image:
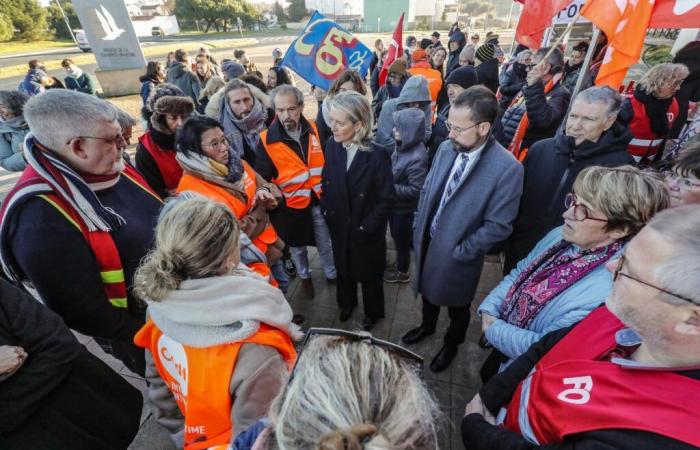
(680, 273)
(345, 392)
(59, 115)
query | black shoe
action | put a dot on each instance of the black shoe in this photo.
(345, 314)
(331, 280)
(298, 319)
(307, 288)
(417, 334)
(368, 323)
(443, 359)
(395, 276)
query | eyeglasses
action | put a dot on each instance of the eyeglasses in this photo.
(581, 212)
(116, 140)
(686, 182)
(619, 273)
(216, 144)
(459, 130)
(357, 337)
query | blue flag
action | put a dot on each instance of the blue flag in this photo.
(324, 50)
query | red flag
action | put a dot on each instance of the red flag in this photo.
(625, 23)
(536, 17)
(395, 51)
(675, 14)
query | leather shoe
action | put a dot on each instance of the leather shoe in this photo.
(345, 314)
(307, 287)
(443, 359)
(417, 334)
(368, 323)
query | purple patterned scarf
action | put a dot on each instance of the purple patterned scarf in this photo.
(547, 276)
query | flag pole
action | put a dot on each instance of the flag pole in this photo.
(566, 32)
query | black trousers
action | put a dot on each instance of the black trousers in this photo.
(459, 321)
(372, 295)
(401, 226)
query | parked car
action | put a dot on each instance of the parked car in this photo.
(157, 32)
(81, 38)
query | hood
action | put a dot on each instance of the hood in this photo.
(415, 90)
(410, 123)
(178, 69)
(616, 139)
(460, 38)
(213, 108)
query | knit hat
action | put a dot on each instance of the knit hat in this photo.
(177, 105)
(465, 77)
(425, 43)
(419, 55)
(435, 34)
(398, 67)
(492, 38)
(157, 92)
(467, 53)
(277, 53)
(232, 70)
(485, 52)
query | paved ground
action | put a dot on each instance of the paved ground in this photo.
(452, 388)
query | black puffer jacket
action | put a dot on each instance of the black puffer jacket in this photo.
(551, 166)
(544, 112)
(512, 80)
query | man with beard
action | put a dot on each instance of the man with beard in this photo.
(243, 111)
(468, 202)
(289, 154)
(627, 376)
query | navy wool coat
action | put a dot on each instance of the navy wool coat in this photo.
(475, 219)
(356, 204)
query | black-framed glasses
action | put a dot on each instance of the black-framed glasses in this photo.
(459, 130)
(617, 273)
(581, 212)
(357, 337)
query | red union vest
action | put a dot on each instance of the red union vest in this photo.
(572, 391)
(295, 179)
(100, 242)
(645, 143)
(199, 379)
(169, 168)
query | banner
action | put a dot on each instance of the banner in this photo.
(110, 33)
(567, 14)
(535, 17)
(324, 50)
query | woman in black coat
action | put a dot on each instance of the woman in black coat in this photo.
(358, 193)
(54, 394)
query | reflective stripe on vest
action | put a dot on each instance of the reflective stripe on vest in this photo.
(645, 142)
(199, 379)
(296, 179)
(102, 244)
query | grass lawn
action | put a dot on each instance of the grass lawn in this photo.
(235, 34)
(8, 48)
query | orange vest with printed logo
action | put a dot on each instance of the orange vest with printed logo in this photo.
(295, 178)
(200, 378)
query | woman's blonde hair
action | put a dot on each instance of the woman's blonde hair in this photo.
(358, 109)
(195, 238)
(662, 75)
(353, 395)
(627, 196)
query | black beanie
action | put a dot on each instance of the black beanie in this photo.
(465, 77)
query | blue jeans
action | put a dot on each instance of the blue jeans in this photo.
(278, 273)
(322, 238)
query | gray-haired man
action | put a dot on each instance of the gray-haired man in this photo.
(593, 137)
(78, 222)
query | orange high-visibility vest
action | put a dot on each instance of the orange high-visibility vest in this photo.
(295, 178)
(199, 379)
(434, 79)
(101, 242)
(189, 182)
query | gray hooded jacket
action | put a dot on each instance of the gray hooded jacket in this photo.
(415, 90)
(409, 162)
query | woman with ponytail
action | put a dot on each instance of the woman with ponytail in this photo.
(218, 338)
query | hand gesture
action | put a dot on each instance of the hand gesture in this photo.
(11, 359)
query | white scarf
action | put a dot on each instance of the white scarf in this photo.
(218, 310)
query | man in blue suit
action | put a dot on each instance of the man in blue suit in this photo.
(468, 202)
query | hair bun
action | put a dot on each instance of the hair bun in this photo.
(352, 439)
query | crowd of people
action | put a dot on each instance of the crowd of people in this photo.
(178, 262)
